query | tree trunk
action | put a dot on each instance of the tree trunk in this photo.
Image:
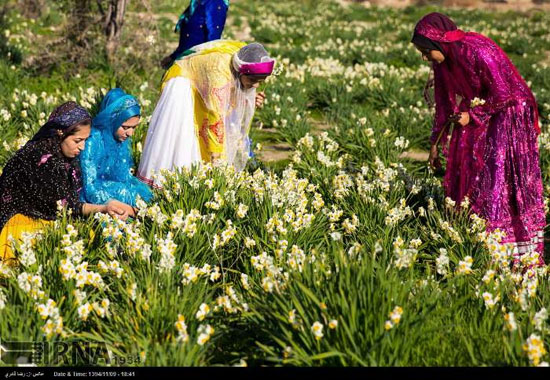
(113, 20)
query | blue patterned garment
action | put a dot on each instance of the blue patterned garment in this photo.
(201, 22)
(106, 162)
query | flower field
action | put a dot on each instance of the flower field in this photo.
(346, 253)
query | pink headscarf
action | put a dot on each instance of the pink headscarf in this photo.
(253, 59)
(438, 27)
(443, 31)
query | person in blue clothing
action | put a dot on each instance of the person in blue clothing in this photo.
(106, 161)
(201, 22)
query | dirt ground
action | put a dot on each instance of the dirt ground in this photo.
(499, 5)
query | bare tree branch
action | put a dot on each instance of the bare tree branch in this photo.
(100, 7)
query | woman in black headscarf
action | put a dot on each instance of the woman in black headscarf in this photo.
(44, 175)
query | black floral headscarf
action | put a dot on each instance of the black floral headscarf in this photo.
(62, 118)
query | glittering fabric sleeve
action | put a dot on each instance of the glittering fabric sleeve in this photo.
(445, 106)
(60, 182)
(106, 172)
(92, 190)
(499, 84)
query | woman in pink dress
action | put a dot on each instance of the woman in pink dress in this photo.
(492, 154)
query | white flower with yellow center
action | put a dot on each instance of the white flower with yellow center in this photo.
(84, 311)
(465, 266)
(534, 347)
(490, 300)
(317, 330)
(395, 315)
(242, 209)
(268, 284)
(203, 311)
(249, 242)
(511, 324)
(244, 281)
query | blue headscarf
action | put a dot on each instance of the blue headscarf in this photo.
(107, 162)
(115, 109)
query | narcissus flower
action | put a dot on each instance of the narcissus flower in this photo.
(317, 329)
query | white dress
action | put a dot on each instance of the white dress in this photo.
(171, 141)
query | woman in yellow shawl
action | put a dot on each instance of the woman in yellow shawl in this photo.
(206, 107)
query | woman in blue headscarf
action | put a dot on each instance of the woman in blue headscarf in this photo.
(107, 158)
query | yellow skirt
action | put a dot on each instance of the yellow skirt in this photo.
(15, 227)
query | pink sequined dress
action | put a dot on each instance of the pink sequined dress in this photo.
(494, 160)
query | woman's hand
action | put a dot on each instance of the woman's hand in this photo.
(119, 210)
(260, 98)
(129, 211)
(462, 118)
(434, 157)
(113, 209)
